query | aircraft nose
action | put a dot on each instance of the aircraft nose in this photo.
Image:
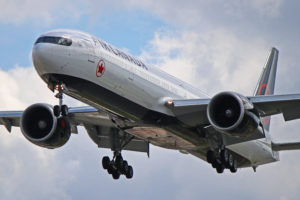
(41, 57)
(51, 54)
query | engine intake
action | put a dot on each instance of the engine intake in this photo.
(228, 112)
(40, 126)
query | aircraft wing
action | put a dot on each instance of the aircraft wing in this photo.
(97, 123)
(193, 111)
(288, 105)
(10, 118)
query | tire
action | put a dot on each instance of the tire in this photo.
(214, 164)
(110, 169)
(220, 168)
(105, 162)
(129, 173)
(64, 110)
(56, 111)
(230, 161)
(119, 162)
(210, 156)
(115, 175)
(124, 168)
(225, 156)
(233, 168)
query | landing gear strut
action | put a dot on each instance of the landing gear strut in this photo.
(60, 109)
(221, 160)
(117, 166)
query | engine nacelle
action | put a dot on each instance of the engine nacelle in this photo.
(40, 126)
(229, 113)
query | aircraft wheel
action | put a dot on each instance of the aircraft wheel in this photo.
(115, 174)
(220, 168)
(233, 168)
(56, 111)
(64, 110)
(110, 169)
(210, 156)
(230, 160)
(124, 168)
(214, 164)
(129, 173)
(105, 162)
(119, 162)
(225, 156)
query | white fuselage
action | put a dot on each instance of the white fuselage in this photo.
(97, 62)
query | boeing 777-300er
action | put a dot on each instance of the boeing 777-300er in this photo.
(132, 104)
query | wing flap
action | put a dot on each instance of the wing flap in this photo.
(89, 115)
(191, 111)
(112, 138)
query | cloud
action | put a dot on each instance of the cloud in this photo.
(267, 7)
(216, 60)
(264, 8)
(40, 12)
(231, 62)
(28, 171)
(209, 13)
(46, 12)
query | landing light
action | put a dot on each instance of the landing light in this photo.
(170, 103)
(60, 87)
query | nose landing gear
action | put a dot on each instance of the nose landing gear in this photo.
(60, 109)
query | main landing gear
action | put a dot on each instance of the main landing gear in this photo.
(117, 166)
(222, 159)
(60, 109)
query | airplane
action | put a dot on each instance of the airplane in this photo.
(131, 104)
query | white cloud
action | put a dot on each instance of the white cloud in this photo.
(231, 62)
(218, 60)
(242, 8)
(40, 12)
(267, 7)
(208, 13)
(188, 13)
(28, 171)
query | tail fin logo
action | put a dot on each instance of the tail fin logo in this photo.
(265, 90)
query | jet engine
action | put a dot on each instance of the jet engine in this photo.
(40, 126)
(231, 113)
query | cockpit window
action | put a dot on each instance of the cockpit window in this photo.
(54, 40)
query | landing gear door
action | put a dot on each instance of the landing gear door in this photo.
(131, 74)
(91, 52)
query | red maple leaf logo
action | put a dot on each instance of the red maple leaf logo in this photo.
(100, 68)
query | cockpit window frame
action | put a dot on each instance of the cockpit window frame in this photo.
(54, 40)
